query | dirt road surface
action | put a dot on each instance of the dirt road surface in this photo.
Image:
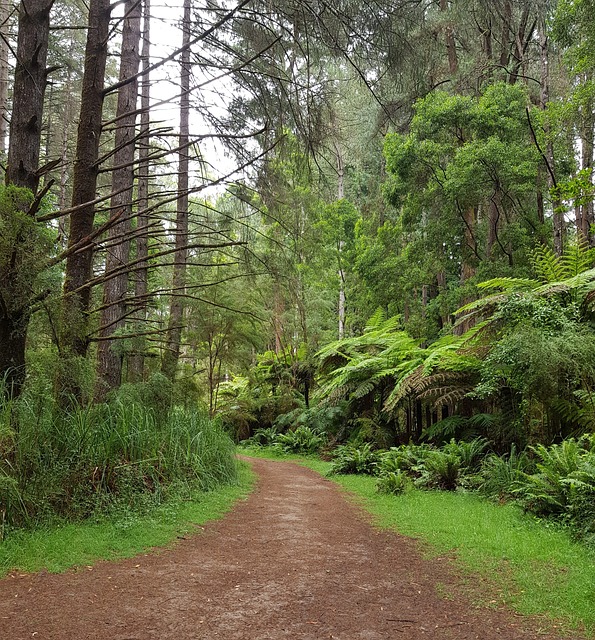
(295, 560)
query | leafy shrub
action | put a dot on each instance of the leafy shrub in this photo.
(320, 419)
(409, 458)
(500, 474)
(352, 458)
(549, 491)
(469, 453)
(264, 437)
(301, 440)
(441, 471)
(393, 482)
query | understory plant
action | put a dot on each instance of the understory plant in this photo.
(79, 463)
(301, 440)
(355, 458)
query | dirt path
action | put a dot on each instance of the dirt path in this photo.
(295, 560)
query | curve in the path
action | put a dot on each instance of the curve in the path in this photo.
(295, 560)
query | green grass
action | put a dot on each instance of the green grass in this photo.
(534, 569)
(529, 566)
(57, 549)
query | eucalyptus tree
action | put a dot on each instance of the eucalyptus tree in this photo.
(465, 178)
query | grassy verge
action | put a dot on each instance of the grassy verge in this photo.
(530, 567)
(60, 548)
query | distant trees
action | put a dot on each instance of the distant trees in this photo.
(139, 233)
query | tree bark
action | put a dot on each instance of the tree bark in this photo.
(79, 265)
(558, 209)
(340, 196)
(109, 362)
(23, 163)
(30, 78)
(171, 355)
(4, 73)
(136, 362)
(451, 49)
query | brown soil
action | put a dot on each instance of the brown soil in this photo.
(295, 560)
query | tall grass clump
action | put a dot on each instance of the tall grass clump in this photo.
(122, 455)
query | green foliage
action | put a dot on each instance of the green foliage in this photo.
(409, 458)
(25, 248)
(393, 482)
(103, 457)
(264, 437)
(355, 458)
(469, 453)
(301, 440)
(441, 470)
(500, 474)
(563, 485)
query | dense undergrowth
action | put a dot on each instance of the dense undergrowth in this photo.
(120, 457)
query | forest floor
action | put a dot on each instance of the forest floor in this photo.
(296, 559)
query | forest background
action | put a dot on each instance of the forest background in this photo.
(369, 221)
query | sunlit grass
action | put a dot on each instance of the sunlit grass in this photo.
(59, 548)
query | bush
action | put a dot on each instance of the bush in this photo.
(393, 482)
(352, 458)
(468, 452)
(409, 458)
(301, 440)
(441, 471)
(263, 437)
(499, 475)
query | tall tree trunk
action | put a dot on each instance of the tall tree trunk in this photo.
(451, 49)
(30, 78)
(174, 332)
(340, 196)
(4, 73)
(79, 264)
(136, 362)
(587, 133)
(115, 289)
(558, 208)
(23, 163)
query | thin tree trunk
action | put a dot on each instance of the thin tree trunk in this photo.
(171, 356)
(278, 310)
(4, 73)
(23, 163)
(558, 209)
(340, 196)
(136, 362)
(79, 265)
(588, 130)
(115, 289)
(451, 49)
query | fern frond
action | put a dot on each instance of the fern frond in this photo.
(578, 257)
(547, 265)
(509, 284)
